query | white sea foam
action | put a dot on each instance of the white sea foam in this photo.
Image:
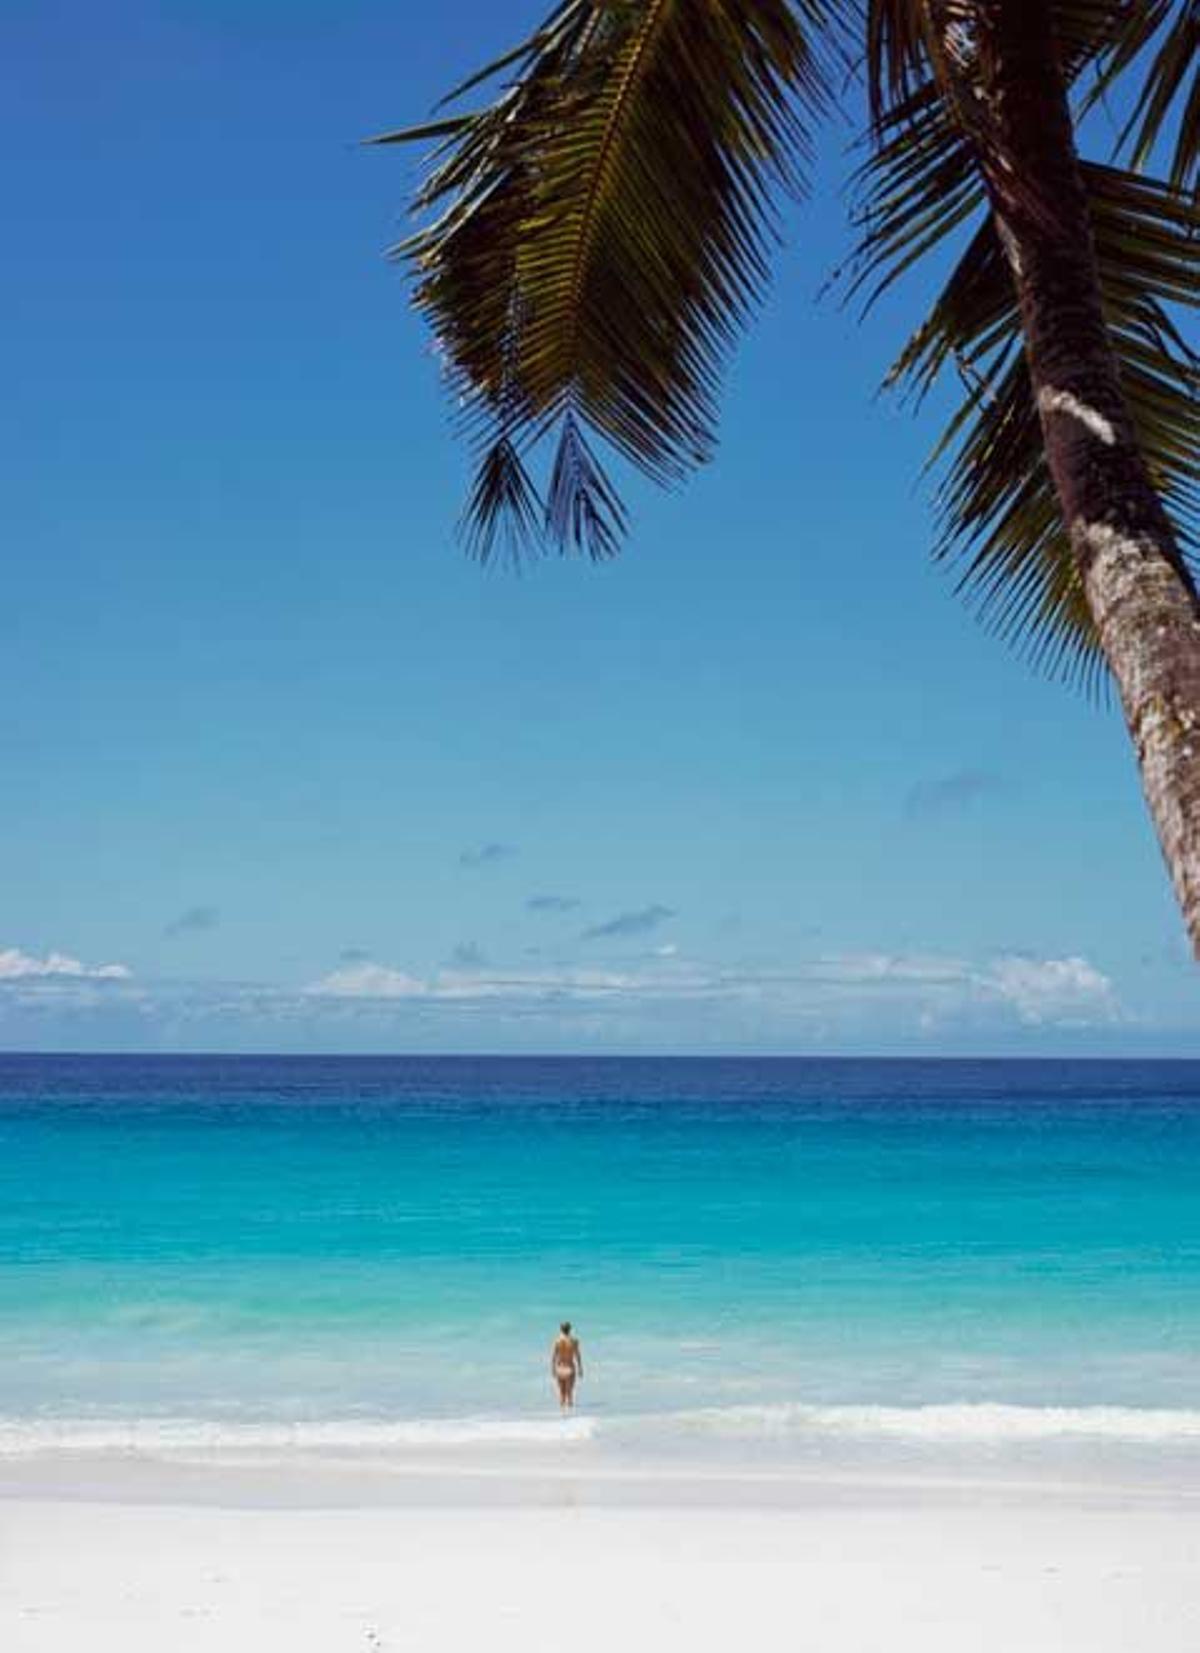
(987, 1425)
(168, 1437)
(981, 1423)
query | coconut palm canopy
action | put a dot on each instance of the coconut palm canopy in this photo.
(598, 233)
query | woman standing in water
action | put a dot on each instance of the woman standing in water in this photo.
(566, 1363)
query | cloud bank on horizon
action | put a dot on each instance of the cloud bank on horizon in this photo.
(661, 1000)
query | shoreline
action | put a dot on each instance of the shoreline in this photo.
(529, 1481)
(743, 1459)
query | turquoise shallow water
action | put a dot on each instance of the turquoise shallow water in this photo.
(749, 1248)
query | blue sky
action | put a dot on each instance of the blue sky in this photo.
(299, 776)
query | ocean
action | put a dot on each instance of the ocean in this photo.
(770, 1260)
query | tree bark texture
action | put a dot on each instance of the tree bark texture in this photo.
(1002, 61)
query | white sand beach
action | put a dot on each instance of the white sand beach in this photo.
(436, 1563)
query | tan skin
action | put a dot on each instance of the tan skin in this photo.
(566, 1366)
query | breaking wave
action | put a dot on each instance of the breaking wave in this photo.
(979, 1424)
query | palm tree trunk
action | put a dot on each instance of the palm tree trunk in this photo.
(1001, 62)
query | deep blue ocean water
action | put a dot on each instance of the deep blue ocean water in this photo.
(358, 1246)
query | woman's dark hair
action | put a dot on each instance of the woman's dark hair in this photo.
(565, 1328)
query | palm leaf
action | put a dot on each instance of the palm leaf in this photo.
(504, 510)
(998, 513)
(604, 232)
(919, 187)
(897, 53)
(1158, 48)
(904, 51)
(603, 235)
(921, 181)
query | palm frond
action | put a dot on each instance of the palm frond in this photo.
(921, 181)
(897, 54)
(904, 51)
(918, 184)
(503, 511)
(604, 231)
(582, 509)
(1157, 47)
(920, 188)
(998, 513)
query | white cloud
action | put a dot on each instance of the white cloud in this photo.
(947, 990)
(18, 966)
(370, 981)
(1062, 992)
(1066, 991)
(380, 981)
(888, 969)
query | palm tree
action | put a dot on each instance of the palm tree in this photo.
(597, 235)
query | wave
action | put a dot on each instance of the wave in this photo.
(966, 1422)
(169, 1436)
(989, 1425)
